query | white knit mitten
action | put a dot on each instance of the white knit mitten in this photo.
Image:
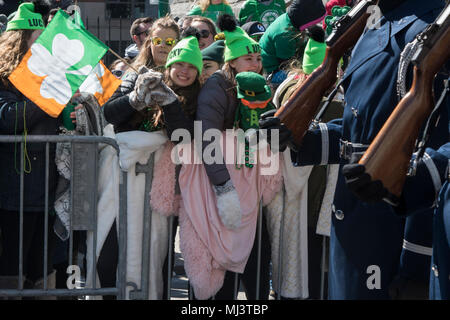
(228, 205)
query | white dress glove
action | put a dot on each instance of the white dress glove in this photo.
(228, 205)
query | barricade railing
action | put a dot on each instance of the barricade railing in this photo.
(85, 151)
(84, 164)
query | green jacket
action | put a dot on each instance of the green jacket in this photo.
(212, 12)
(280, 43)
(264, 12)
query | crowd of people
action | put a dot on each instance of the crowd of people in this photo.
(233, 73)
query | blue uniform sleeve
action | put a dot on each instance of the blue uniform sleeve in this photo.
(420, 191)
(319, 146)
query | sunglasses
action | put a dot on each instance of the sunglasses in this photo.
(145, 31)
(204, 33)
(117, 73)
(158, 41)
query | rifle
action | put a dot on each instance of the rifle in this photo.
(299, 110)
(388, 157)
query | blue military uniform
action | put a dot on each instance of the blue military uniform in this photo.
(367, 240)
(440, 264)
(433, 173)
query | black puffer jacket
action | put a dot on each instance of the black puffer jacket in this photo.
(14, 107)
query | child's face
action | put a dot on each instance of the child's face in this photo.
(209, 67)
(183, 74)
(250, 62)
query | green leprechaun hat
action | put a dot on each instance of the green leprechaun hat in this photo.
(252, 86)
(29, 16)
(237, 42)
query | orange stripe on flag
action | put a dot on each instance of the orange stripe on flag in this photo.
(109, 83)
(30, 84)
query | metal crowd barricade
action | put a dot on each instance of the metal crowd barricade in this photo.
(84, 197)
(83, 209)
(142, 293)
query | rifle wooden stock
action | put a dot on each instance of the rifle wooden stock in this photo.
(389, 155)
(299, 110)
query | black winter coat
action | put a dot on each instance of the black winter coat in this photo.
(14, 107)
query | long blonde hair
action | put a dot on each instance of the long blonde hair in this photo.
(13, 46)
(145, 57)
(204, 4)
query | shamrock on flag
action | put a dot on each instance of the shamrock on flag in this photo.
(56, 65)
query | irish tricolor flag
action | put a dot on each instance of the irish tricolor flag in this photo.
(57, 64)
(101, 83)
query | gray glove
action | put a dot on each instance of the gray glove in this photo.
(228, 205)
(161, 95)
(84, 121)
(145, 82)
(3, 23)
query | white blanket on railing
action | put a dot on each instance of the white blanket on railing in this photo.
(294, 248)
(135, 147)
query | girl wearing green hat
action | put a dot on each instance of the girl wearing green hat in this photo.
(157, 101)
(212, 59)
(20, 116)
(217, 103)
(183, 70)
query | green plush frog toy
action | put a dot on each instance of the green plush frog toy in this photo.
(254, 99)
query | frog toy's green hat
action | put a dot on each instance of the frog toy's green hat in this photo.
(237, 42)
(252, 86)
(29, 16)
